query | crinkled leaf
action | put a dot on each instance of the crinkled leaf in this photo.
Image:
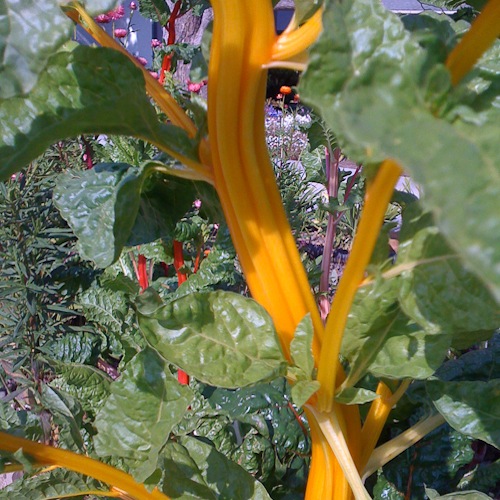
(146, 402)
(472, 408)
(435, 461)
(83, 347)
(226, 478)
(22, 423)
(115, 204)
(383, 96)
(436, 290)
(386, 490)
(85, 91)
(30, 32)
(58, 483)
(88, 384)
(220, 338)
(355, 396)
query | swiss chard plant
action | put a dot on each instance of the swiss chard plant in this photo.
(418, 95)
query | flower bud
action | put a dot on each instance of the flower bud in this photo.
(120, 32)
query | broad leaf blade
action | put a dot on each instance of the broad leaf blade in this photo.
(88, 90)
(30, 32)
(136, 420)
(220, 338)
(472, 408)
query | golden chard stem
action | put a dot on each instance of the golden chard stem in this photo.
(243, 36)
(484, 31)
(377, 197)
(84, 465)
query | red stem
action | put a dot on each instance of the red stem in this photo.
(170, 27)
(87, 156)
(182, 376)
(143, 272)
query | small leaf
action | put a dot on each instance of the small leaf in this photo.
(146, 402)
(472, 408)
(303, 390)
(220, 338)
(301, 347)
(355, 396)
(462, 495)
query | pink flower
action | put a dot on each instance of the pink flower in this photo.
(194, 87)
(197, 204)
(154, 74)
(133, 6)
(155, 43)
(102, 19)
(121, 32)
(142, 60)
(117, 13)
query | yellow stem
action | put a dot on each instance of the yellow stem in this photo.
(293, 42)
(377, 197)
(49, 455)
(484, 31)
(241, 46)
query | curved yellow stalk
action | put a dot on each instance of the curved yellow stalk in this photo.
(177, 116)
(243, 36)
(326, 480)
(295, 41)
(484, 31)
(84, 465)
(377, 197)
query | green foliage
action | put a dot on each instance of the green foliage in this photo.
(386, 97)
(221, 338)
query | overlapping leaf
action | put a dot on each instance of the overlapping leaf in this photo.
(220, 338)
(383, 96)
(87, 90)
(30, 32)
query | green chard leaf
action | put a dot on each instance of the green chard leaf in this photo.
(85, 91)
(115, 204)
(220, 338)
(46, 28)
(385, 96)
(58, 483)
(472, 408)
(146, 402)
(457, 495)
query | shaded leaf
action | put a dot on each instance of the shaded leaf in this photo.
(226, 478)
(85, 91)
(464, 495)
(220, 338)
(472, 408)
(83, 347)
(355, 396)
(146, 402)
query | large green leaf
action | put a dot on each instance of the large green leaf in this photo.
(384, 96)
(137, 418)
(30, 32)
(115, 204)
(87, 90)
(457, 495)
(220, 338)
(469, 407)
(436, 290)
(58, 483)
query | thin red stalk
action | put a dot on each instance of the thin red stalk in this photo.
(88, 153)
(197, 260)
(182, 376)
(332, 169)
(170, 27)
